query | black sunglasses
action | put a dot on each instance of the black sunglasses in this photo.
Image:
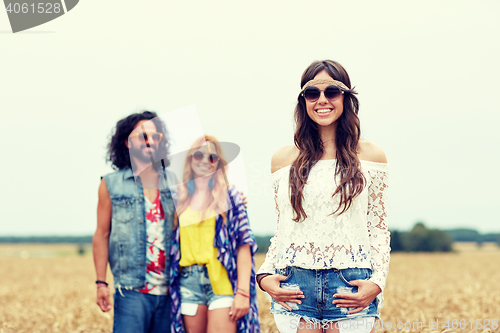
(213, 158)
(312, 94)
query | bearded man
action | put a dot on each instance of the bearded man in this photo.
(134, 226)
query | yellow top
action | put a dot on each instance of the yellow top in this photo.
(197, 239)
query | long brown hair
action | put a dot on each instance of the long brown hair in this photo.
(311, 148)
(218, 198)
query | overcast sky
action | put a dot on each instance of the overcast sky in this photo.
(427, 74)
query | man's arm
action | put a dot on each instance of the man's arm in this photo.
(100, 244)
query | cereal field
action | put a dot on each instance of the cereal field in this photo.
(50, 289)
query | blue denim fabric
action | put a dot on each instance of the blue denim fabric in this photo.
(318, 287)
(196, 287)
(127, 241)
(136, 312)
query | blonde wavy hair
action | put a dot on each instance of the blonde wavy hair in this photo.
(218, 199)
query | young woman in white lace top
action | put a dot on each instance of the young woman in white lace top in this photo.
(328, 261)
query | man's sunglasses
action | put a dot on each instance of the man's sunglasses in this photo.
(213, 158)
(312, 94)
(154, 136)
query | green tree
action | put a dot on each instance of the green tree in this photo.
(396, 242)
(418, 238)
(422, 239)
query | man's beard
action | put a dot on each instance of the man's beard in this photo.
(143, 156)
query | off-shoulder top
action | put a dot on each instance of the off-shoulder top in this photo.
(359, 237)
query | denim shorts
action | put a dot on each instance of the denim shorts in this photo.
(196, 289)
(318, 287)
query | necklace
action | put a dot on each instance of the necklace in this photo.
(328, 140)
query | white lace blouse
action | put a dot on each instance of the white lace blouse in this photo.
(357, 238)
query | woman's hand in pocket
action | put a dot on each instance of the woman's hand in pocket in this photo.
(271, 284)
(367, 291)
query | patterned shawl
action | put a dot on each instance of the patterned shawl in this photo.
(228, 237)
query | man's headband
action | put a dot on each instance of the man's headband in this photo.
(323, 81)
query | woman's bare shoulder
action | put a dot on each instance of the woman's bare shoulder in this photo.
(283, 157)
(369, 151)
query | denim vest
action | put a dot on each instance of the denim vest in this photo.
(127, 240)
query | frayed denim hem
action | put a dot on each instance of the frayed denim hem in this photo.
(322, 321)
(288, 322)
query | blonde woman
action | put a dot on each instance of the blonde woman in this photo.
(213, 271)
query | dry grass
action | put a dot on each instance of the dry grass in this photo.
(56, 294)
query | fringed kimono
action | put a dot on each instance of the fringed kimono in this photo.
(228, 237)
